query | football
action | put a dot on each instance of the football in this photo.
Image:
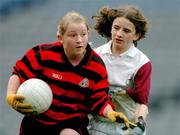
(37, 93)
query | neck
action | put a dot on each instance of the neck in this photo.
(117, 50)
(75, 59)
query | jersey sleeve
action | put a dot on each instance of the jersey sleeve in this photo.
(100, 97)
(29, 66)
(140, 92)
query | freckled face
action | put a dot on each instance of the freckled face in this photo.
(75, 39)
(123, 33)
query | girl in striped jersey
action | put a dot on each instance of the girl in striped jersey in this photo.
(129, 69)
(76, 75)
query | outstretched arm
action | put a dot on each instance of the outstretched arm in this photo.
(14, 100)
(114, 116)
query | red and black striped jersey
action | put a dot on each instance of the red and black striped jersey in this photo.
(77, 90)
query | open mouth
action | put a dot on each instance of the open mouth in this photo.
(118, 40)
(79, 47)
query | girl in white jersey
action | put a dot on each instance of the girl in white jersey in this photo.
(129, 69)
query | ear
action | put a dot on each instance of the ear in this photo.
(59, 36)
(137, 36)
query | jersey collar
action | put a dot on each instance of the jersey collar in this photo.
(84, 61)
(131, 52)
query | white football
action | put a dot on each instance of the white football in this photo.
(38, 93)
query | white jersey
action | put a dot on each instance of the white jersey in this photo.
(124, 67)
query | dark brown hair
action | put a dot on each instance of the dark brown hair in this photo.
(106, 16)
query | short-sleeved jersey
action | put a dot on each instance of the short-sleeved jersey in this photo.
(77, 90)
(130, 70)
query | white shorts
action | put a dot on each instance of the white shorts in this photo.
(98, 127)
(106, 128)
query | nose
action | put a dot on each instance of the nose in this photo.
(79, 39)
(119, 32)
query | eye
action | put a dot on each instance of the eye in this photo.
(115, 27)
(83, 34)
(71, 35)
(126, 30)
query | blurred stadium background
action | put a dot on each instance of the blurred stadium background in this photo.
(25, 23)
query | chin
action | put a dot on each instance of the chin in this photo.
(78, 52)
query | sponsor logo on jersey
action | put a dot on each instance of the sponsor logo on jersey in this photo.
(56, 76)
(84, 83)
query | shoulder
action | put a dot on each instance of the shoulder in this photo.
(105, 48)
(97, 64)
(97, 58)
(141, 56)
(45, 47)
(45, 51)
(49, 46)
(143, 63)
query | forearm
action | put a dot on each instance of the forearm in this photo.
(13, 84)
(142, 110)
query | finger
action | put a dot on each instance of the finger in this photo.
(123, 118)
(24, 105)
(132, 124)
(29, 113)
(25, 111)
(19, 97)
(127, 124)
